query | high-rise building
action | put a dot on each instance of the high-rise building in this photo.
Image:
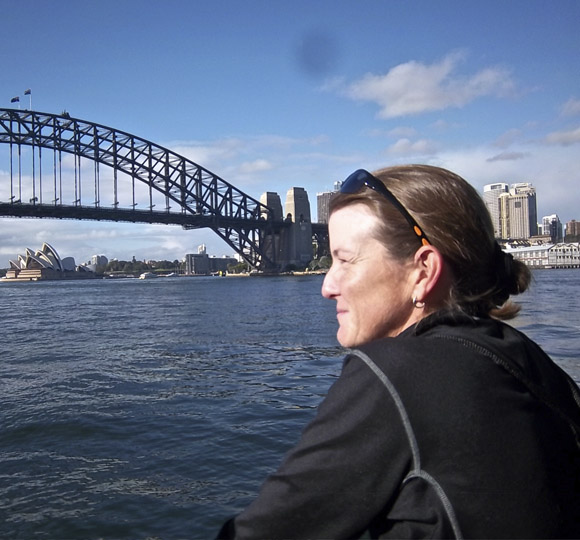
(504, 221)
(551, 226)
(523, 215)
(197, 263)
(491, 193)
(99, 260)
(572, 230)
(323, 202)
(323, 205)
(513, 211)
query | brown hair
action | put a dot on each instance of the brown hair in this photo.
(457, 222)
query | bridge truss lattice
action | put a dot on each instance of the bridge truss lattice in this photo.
(128, 179)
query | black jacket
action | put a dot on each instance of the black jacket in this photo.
(456, 428)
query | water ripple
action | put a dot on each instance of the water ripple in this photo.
(135, 410)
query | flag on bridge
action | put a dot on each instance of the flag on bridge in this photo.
(28, 92)
(15, 100)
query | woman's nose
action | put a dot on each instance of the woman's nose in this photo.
(329, 289)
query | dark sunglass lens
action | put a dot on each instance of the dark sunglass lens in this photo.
(354, 182)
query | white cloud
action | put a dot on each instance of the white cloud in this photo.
(333, 84)
(571, 107)
(563, 138)
(258, 165)
(443, 125)
(508, 156)
(208, 154)
(407, 147)
(247, 162)
(414, 87)
(508, 138)
(402, 131)
(551, 169)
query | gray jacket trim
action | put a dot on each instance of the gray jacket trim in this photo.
(417, 472)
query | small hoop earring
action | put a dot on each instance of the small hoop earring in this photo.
(417, 303)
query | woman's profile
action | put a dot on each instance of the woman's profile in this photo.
(445, 422)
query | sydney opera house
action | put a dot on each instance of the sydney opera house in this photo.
(45, 264)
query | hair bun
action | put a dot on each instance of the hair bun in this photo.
(506, 268)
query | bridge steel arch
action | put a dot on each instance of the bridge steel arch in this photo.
(203, 198)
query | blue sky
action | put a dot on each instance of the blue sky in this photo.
(271, 95)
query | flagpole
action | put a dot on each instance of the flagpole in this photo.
(29, 94)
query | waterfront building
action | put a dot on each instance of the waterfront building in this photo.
(565, 255)
(533, 256)
(197, 264)
(201, 264)
(491, 197)
(45, 263)
(540, 239)
(559, 255)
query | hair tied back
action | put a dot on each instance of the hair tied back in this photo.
(504, 267)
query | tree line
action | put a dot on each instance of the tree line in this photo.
(135, 267)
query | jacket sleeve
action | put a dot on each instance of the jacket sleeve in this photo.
(343, 472)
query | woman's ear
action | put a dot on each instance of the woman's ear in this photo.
(431, 276)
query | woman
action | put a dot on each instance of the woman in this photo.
(445, 421)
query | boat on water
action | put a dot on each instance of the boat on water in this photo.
(147, 275)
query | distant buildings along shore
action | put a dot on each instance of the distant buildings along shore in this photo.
(513, 211)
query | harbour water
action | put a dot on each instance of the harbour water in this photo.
(153, 409)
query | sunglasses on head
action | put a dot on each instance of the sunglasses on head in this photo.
(361, 178)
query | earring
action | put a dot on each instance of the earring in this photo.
(417, 303)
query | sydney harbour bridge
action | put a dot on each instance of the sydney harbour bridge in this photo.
(66, 168)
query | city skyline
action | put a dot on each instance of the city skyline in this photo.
(505, 188)
(270, 101)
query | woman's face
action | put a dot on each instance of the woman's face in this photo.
(373, 291)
